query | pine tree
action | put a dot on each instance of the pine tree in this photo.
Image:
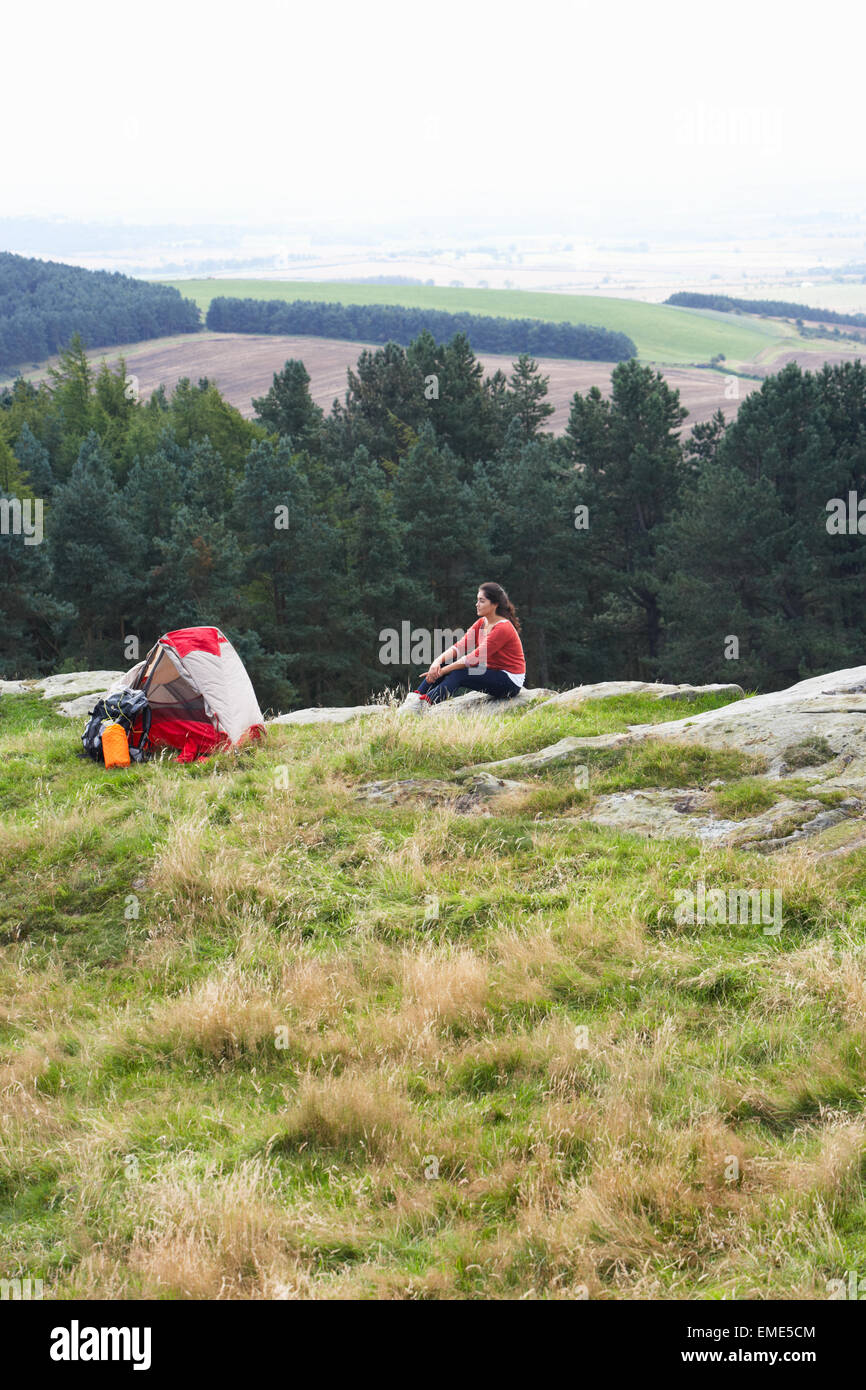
(453, 394)
(12, 480)
(532, 522)
(33, 621)
(495, 411)
(383, 592)
(72, 404)
(444, 535)
(151, 497)
(703, 443)
(206, 480)
(294, 568)
(527, 392)
(152, 493)
(749, 554)
(199, 412)
(95, 550)
(629, 475)
(113, 409)
(288, 408)
(35, 462)
(713, 571)
(384, 406)
(199, 578)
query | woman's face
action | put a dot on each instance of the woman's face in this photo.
(483, 606)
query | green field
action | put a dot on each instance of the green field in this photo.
(241, 1056)
(662, 333)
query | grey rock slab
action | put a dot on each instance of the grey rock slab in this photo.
(338, 714)
(848, 773)
(485, 787)
(78, 683)
(395, 790)
(469, 796)
(566, 750)
(606, 690)
(692, 692)
(615, 740)
(832, 707)
(668, 814)
(686, 813)
(820, 822)
(80, 707)
(474, 702)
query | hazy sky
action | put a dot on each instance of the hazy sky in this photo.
(374, 110)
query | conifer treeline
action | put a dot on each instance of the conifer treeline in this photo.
(382, 323)
(773, 308)
(632, 547)
(43, 303)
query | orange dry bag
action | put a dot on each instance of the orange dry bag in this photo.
(115, 746)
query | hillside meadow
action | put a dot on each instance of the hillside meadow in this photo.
(662, 333)
(261, 1040)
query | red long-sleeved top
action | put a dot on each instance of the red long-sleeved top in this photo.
(500, 647)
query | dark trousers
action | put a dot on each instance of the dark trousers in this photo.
(495, 683)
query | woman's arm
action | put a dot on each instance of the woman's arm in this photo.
(441, 666)
(437, 669)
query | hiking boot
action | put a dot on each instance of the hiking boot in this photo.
(413, 704)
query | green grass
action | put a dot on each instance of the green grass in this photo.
(662, 333)
(260, 1040)
(748, 796)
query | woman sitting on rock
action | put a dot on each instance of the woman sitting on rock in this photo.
(489, 657)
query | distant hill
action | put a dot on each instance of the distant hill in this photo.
(43, 303)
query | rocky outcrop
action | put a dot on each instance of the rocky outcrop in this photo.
(470, 796)
(684, 813)
(69, 683)
(808, 726)
(826, 827)
(78, 683)
(325, 714)
(88, 686)
(814, 730)
(606, 690)
(473, 702)
(668, 814)
(566, 750)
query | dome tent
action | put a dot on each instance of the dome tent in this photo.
(200, 695)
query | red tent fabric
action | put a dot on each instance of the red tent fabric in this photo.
(200, 695)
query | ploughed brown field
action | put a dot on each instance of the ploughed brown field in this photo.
(242, 365)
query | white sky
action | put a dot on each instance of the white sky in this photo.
(368, 111)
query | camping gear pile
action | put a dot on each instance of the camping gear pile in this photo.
(191, 692)
(118, 729)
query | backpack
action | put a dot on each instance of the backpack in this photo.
(124, 707)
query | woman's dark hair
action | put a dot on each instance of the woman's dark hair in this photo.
(504, 607)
